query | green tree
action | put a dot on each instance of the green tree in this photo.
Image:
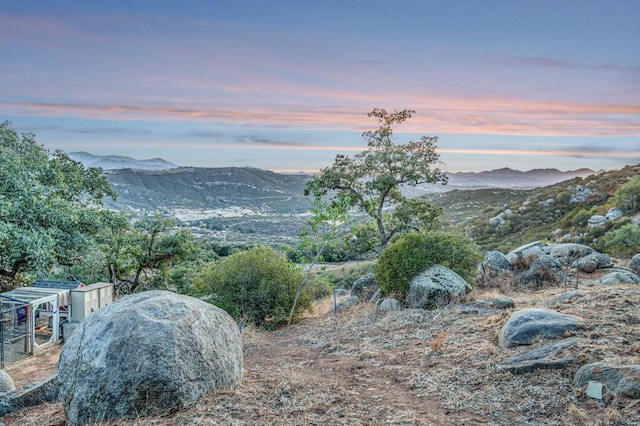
(627, 196)
(258, 286)
(49, 206)
(149, 250)
(372, 179)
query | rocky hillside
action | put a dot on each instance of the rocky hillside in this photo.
(564, 212)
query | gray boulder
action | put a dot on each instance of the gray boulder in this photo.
(579, 194)
(591, 262)
(618, 379)
(347, 303)
(619, 277)
(365, 287)
(6, 382)
(496, 222)
(635, 263)
(376, 297)
(614, 213)
(527, 325)
(387, 305)
(503, 302)
(596, 221)
(564, 298)
(567, 253)
(494, 263)
(546, 203)
(436, 287)
(145, 354)
(551, 355)
(531, 250)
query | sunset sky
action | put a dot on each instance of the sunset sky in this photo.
(286, 85)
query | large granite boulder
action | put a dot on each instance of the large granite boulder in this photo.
(527, 325)
(591, 262)
(365, 287)
(531, 250)
(618, 379)
(551, 355)
(567, 253)
(147, 353)
(635, 263)
(596, 221)
(436, 287)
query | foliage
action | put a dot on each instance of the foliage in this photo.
(412, 253)
(147, 252)
(372, 179)
(49, 206)
(258, 285)
(623, 242)
(627, 196)
(327, 221)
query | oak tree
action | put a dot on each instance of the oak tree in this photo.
(372, 180)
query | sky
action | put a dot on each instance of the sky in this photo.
(286, 85)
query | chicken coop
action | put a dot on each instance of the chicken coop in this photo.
(32, 318)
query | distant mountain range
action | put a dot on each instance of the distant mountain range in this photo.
(509, 178)
(113, 162)
(209, 188)
(156, 183)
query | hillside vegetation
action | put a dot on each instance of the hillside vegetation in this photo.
(556, 213)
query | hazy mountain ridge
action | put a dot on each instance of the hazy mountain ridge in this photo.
(112, 162)
(509, 178)
(194, 187)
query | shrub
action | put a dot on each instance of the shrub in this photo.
(624, 242)
(628, 195)
(256, 286)
(413, 253)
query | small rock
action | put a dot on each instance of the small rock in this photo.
(579, 194)
(562, 298)
(546, 203)
(594, 390)
(365, 286)
(338, 292)
(503, 302)
(496, 222)
(387, 305)
(347, 303)
(375, 298)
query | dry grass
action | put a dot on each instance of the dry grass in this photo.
(358, 369)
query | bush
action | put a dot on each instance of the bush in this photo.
(256, 286)
(624, 242)
(627, 196)
(415, 252)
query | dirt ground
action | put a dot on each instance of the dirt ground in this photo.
(411, 368)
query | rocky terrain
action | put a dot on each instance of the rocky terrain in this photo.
(447, 366)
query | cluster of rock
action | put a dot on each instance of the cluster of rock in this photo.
(530, 326)
(536, 262)
(599, 220)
